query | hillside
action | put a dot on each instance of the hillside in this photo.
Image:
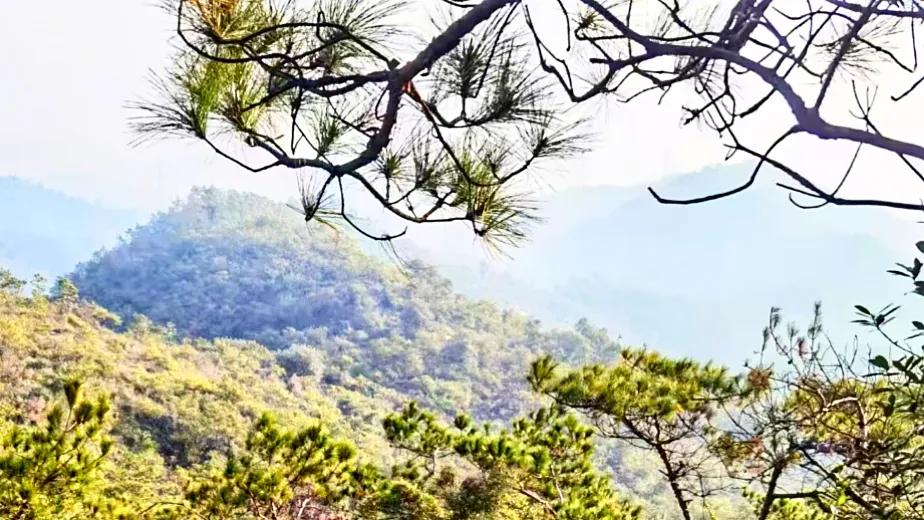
(180, 407)
(225, 264)
(730, 262)
(350, 340)
(175, 401)
(689, 280)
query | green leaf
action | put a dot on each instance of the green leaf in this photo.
(890, 407)
(880, 362)
(863, 310)
(841, 499)
(920, 246)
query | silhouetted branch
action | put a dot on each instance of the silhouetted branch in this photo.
(442, 133)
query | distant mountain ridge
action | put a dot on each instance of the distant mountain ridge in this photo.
(44, 231)
(690, 280)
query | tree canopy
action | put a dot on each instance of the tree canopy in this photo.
(223, 264)
(808, 431)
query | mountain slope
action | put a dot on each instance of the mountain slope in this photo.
(226, 264)
(691, 280)
(177, 400)
(180, 407)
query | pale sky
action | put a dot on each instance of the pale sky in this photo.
(69, 68)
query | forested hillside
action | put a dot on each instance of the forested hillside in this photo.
(174, 402)
(225, 264)
(102, 424)
(135, 425)
(235, 358)
(733, 254)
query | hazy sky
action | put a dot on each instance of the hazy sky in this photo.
(69, 68)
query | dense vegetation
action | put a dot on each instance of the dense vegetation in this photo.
(215, 429)
(174, 399)
(149, 426)
(101, 418)
(253, 369)
(225, 264)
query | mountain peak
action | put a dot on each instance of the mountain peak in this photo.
(227, 264)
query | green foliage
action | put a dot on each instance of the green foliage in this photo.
(826, 438)
(224, 264)
(545, 459)
(540, 468)
(807, 434)
(787, 509)
(282, 470)
(65, 291)
(52, 470)
(9, 283)
(643, 384)
(183, 410)
(180, 447)
(320, 86)
(39, 286)
(176, 400)
(657, 403)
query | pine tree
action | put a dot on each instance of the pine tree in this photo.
(52, 470)
(653, 402)
(540, 468)
(283, 474)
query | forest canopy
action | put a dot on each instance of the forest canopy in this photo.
(102, 424)
(223, 264)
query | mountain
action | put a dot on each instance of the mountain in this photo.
(176, 400)
(690, 280)
(349, 338)
(176, 414)
(227, 264)
(44, 231)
